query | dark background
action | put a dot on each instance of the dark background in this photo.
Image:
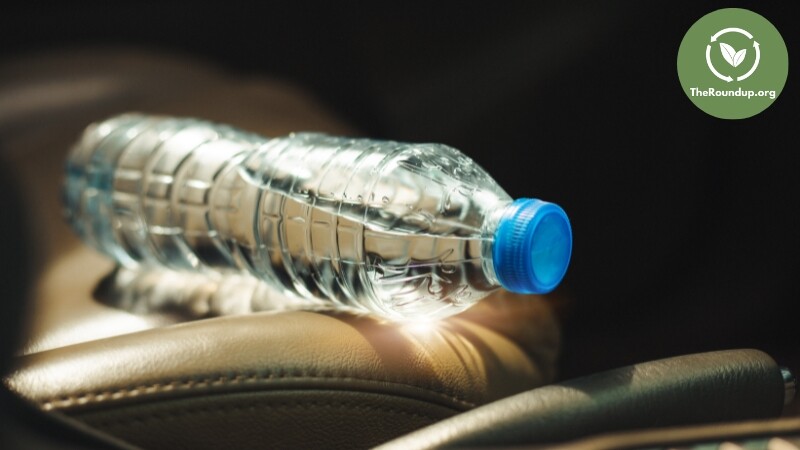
(686, 234)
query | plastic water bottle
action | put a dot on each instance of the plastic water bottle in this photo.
(402, 230)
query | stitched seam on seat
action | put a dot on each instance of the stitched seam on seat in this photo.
(222, 380)
(161, 416)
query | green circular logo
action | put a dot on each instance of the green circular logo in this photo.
(732, 63)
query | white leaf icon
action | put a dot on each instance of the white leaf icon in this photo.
(739, 57)
(727, 52)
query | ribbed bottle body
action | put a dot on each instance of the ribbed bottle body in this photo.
(398, 229)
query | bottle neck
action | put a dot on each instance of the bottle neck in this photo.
(487, 248)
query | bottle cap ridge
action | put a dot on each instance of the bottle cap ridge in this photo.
(532, 246)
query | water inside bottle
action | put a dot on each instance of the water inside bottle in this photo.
(393, 228)
(364, 227)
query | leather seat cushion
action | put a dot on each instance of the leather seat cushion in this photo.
(273, 379)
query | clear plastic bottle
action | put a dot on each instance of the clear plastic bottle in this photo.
(402, 230)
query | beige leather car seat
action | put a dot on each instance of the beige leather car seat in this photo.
(295, 379)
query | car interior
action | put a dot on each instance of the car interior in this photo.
(672, 328)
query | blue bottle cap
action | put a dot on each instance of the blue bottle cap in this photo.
(532, 246)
